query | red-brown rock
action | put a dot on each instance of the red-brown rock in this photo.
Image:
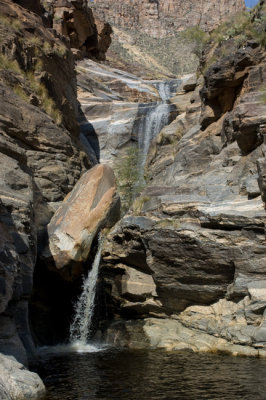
(165, 17)
(92, 205)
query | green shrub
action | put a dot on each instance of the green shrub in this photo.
(46, 48)
(197, 37)
(21, 93)
(263, 95)
(139, 203)
(242, 27)
(60, 50)
(10, 65)
(11, 23)
(47, 102)
(128, 177)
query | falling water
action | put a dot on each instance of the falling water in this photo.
(154, 117)
(84, 308)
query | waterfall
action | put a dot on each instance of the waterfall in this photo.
(153, 117)
(84, 308)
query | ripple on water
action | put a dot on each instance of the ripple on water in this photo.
(108, 374)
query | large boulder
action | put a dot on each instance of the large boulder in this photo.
(16, 382)
(92, 205)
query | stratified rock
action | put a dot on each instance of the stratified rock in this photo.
(198, 228)
(92, 205)
(165, 17)
(224, 79)
(17, 383)
(170, 334)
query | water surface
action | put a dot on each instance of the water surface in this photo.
(150, 375)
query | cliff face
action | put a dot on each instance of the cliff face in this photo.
(165, 17)
(42, 157)
(186, 267)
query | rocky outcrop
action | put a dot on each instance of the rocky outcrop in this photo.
(115, 104)
(16, 382)
(186, 267)
(32, 5)
(75, 21)
(92, 205)
(41, 158)
(163, 18)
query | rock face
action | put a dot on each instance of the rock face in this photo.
(16, 382)
(75, 20)
(41, 158)
(93, 204)
(118, 106)
(164, 17)
(31, 5)
(198, 229)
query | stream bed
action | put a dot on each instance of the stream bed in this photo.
(150, 375)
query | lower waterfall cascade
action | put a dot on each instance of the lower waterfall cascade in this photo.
(81, 326)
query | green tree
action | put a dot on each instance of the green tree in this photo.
(197, 37)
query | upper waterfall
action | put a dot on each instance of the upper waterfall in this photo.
(153, 117)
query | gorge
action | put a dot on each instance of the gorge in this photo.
(183, 268)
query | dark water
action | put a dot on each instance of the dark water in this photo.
(152, 375)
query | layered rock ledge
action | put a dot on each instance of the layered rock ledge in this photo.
(186, 267)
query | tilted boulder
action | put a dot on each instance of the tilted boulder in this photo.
(92, 205)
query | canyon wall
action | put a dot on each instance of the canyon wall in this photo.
(185, 268)
(160, 18)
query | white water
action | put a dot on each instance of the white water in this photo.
(154, 117)
(81, 326)
(76, 347)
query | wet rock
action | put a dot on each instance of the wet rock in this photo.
(92, 205)
(16, 382)
(170, 334)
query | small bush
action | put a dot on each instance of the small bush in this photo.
(242, 27)
(47, 48)
(34, 41)
(60, 50)
(20, 92)
(47, 102)
(139, 203)
(197, 37)
(10, 65)
(14, 24)
(263, 95)
(128, 177)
